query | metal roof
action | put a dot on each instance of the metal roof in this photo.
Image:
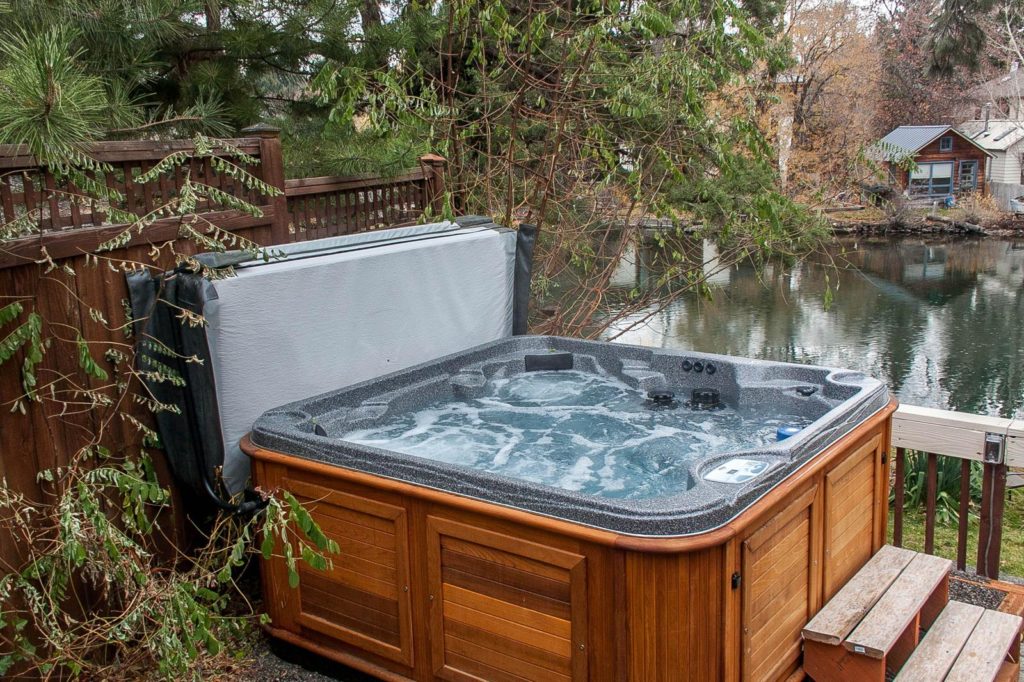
(994, 135)
(911, 138)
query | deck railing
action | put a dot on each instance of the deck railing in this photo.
(329, 206)
(994, 443)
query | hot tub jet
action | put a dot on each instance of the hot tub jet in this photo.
(705, 399)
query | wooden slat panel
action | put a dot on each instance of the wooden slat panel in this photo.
(506, 602)
(518, 650)
(776, 601)
(849, 515)
(349, 615)
(779, 594)
(364, 598)
(501, 660)
(383, 529)
(507, 629)
(506, 592)
(504, 558)
(502, 609)
(368, 600)
(558, 590)
(357, 540)
(347, 524)
(299, 484)
(480, 671)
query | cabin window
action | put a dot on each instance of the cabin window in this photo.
(946, 143)
(932, 179)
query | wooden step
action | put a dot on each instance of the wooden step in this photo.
(873, 623)
(992, 651)
(845, 610)
(938, 651)
(914, 600)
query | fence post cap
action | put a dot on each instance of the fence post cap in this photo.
(261, 130)
(432, 158)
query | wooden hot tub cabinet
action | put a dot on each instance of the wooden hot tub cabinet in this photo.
(429, 585)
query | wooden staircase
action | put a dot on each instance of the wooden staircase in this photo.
(873, 626)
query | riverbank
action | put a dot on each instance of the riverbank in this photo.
(969, 222)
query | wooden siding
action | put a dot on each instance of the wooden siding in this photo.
(502, 594)
(963, 150)
(1005, 166)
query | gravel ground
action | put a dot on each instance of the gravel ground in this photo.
(971, 590)
(280, 662)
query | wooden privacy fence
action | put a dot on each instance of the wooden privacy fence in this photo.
(996, 443)
(67, 225)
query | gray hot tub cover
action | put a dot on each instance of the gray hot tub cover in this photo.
(332, 313)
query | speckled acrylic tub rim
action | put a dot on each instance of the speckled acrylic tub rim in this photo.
(704, 507)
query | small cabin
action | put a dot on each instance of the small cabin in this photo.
(946, 162)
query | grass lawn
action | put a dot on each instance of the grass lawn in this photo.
(1011, 561)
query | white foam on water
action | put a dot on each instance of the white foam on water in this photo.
(573, 430)
(580, 473)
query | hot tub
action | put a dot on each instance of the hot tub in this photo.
(548, 508)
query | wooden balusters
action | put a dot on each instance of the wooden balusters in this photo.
(964, 515)
(897, 518)
(931, 483)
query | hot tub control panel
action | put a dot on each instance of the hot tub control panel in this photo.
(737, 471)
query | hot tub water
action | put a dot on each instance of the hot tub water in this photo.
(574, 430)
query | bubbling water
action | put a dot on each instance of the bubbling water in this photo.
(573, 430)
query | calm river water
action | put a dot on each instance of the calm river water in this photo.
(941, 321)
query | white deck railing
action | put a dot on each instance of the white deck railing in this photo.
(995, 442)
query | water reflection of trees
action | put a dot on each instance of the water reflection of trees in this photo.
(941, 322)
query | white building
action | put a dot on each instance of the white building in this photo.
(1004, 139)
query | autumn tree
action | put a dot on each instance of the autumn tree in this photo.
(912, 91)
(828, 97)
